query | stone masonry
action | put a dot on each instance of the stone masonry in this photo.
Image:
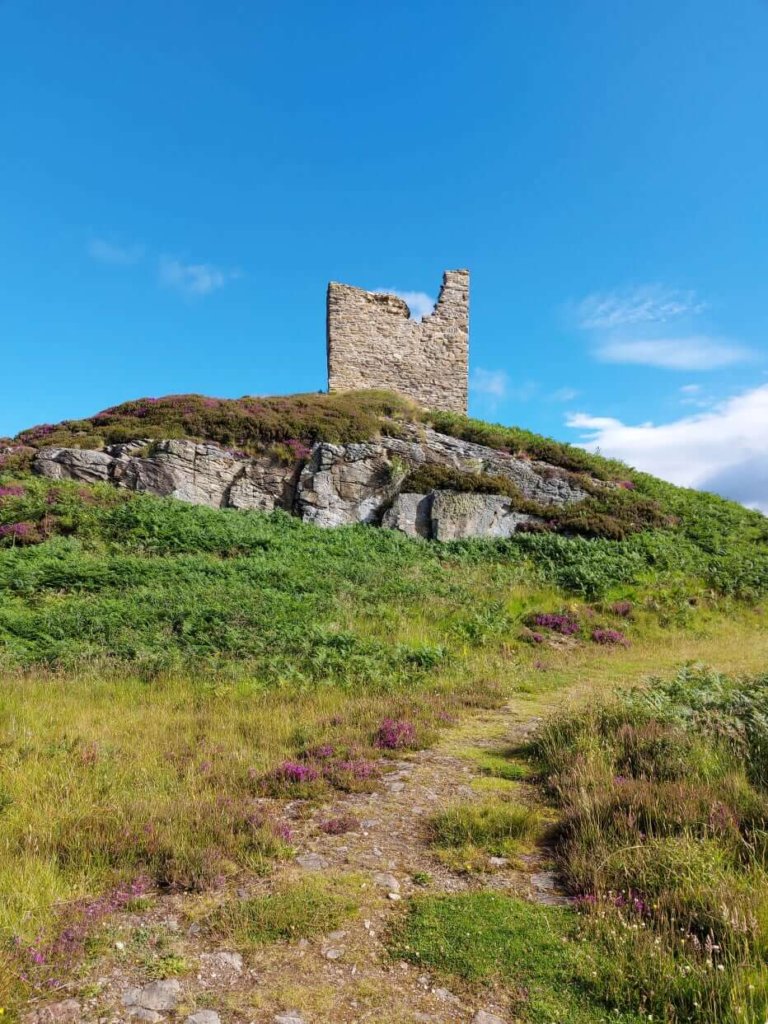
(374, 343)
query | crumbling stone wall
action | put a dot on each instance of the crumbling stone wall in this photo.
(374, 343)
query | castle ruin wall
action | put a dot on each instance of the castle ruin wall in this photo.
(374, 343)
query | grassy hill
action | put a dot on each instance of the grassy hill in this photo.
(165, 667)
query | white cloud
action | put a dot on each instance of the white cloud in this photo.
(490, 382)
(194, 278)
(117, 255)
(695, 352)
(419, 303)
(564, 395)
(690, 389)
(720, 450)
(651, 303)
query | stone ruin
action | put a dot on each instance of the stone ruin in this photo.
(374, 343)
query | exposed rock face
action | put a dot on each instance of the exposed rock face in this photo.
(202, 474)
(74, 464)
(537, 481)
(455, 516)
(411, 514)
(339, 484)
(448, 515)
(348, 483)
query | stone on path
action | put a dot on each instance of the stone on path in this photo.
(204, 1017)
(484, 1017)
(386, 881)
(312, 862)
(214, 965)
(158, 995)
(55, 1013)
(148, 1016)
(289, 1017)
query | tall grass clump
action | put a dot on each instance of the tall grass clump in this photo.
(663, 841)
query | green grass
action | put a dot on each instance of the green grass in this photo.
(494, 826)
(491, 938)
(158, 659)
(732, 539)
(663, 838)
(296, 910)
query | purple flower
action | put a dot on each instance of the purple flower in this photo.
(321, 752)
(12, 492)
(566, 625)
(393, 734)
(360, 769)
(609, 637)
(298, 448)
(19, 531)
(622, 608)
(338, 826)
(295, 771)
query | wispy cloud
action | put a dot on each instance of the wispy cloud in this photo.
(419, 303)
(654, 325)
(563, 395)
(720, 450)
(494, 383)
(694, 352)
(194, 278)
(117, 255)
(653, 303)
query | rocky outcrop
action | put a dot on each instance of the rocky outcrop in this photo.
(448, 515)
(537, 481)
(339, 484)
(202, 474)
(345, 483)
(411, 514)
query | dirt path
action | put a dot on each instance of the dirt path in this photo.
(345, 975)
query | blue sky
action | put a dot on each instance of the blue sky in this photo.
(180, 180)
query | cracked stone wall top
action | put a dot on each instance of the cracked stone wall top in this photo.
(374, 343)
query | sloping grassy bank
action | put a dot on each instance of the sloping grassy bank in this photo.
(664, 842)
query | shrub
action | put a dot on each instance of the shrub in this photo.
(566, 625)
(609, 638)
(394, 734)
(662, 838)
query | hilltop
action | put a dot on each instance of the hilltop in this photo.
(303, 454)
(232, 731)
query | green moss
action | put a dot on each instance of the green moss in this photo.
(493, 826)
(488, 937)
(296, 910)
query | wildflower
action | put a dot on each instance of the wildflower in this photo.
(622, 608)
(609, 637)
(295, 771)
(338, 826)
(566, 625)
(18, 531)
(395, 734)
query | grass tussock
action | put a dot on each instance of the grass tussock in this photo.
(494, 826)
(663, 841)
(296, 910)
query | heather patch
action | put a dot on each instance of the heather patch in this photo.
(609, 638)
(395, 734)
(662, 839)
